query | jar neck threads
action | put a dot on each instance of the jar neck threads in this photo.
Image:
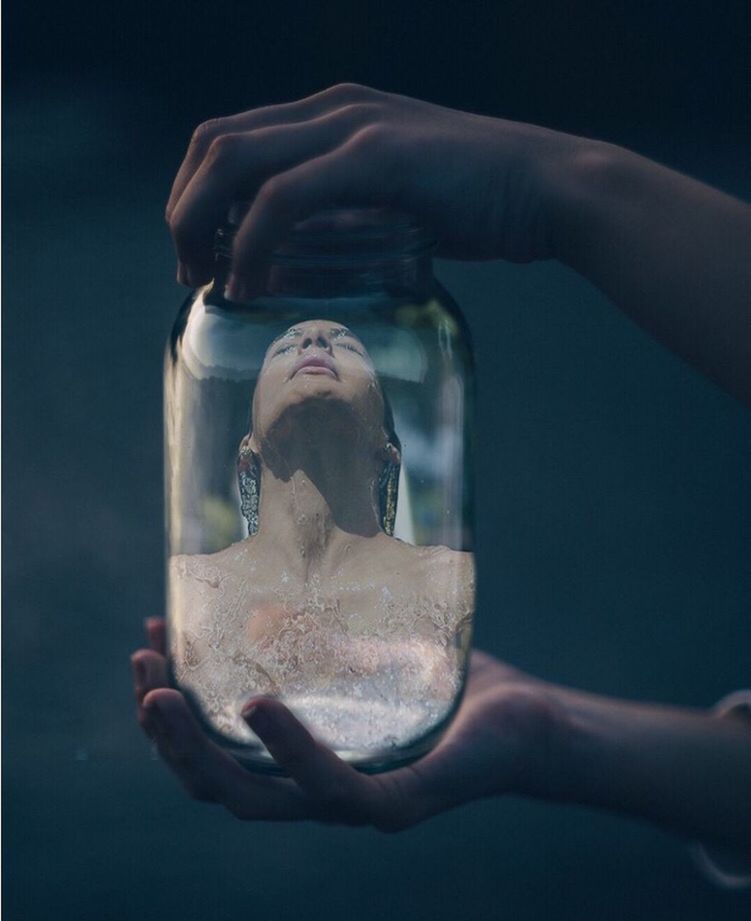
(342, 252)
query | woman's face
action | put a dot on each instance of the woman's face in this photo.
(321, 361)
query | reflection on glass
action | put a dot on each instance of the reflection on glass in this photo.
(362, 634)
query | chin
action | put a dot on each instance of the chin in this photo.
(314, 387)
(317, 408)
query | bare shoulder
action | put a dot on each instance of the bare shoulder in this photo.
(187, 569)
(211, 569)
(454, 570)
(438, 555)
(450, 571)
(202, 584)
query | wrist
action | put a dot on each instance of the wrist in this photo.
(553, 754)
(593, 745)
(580, 742)
(592, 184)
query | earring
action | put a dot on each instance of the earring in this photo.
(248, 481)
(388, 488)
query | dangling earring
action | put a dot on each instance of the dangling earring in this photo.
(248, 476)
(388, 488)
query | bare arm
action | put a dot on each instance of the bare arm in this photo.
(671, 252)
(685, 770)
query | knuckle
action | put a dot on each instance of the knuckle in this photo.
(361, 111)
(205, 133)
(182, 229)
(275, 193)
(347, 90)
(372, 140)
(177, 226)
(224, 147)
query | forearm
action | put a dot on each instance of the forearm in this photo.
(686, 770)
(671, 252)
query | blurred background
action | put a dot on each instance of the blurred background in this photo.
(614, 484)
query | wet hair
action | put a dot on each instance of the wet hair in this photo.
(249, 477)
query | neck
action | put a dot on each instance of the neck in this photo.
(315, 509)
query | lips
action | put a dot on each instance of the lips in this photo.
(315, 364)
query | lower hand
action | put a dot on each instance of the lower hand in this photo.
(503, 739)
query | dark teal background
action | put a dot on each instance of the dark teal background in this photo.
(614, 484)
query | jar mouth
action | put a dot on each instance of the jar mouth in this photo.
(341, 234)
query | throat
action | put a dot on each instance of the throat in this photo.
(313, 520)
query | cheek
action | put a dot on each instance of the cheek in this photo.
(263, 399)
(369, 399)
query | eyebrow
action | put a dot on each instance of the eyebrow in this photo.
(287, 334)
(336, 332)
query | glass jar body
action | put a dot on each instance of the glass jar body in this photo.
(319, 513)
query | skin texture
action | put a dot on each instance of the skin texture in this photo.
(672, 253)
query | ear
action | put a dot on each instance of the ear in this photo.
(248, 443)
(246, 454)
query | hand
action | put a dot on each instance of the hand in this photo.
(484, 186)
(503, 739)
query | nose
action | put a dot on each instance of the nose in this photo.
(318, 337)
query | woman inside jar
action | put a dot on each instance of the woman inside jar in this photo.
(321, 605)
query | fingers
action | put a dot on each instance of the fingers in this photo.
(149, 672)
(363, 171)
(336, 791)
(181, 743)
(286, 113)
(209, 773)
(156, 634)
(236, 164)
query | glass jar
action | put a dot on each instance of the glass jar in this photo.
(319, 493)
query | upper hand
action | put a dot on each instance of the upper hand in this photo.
(485, 187)
(501, 740)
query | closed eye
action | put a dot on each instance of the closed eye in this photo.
(284, 348)
(346, 345)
